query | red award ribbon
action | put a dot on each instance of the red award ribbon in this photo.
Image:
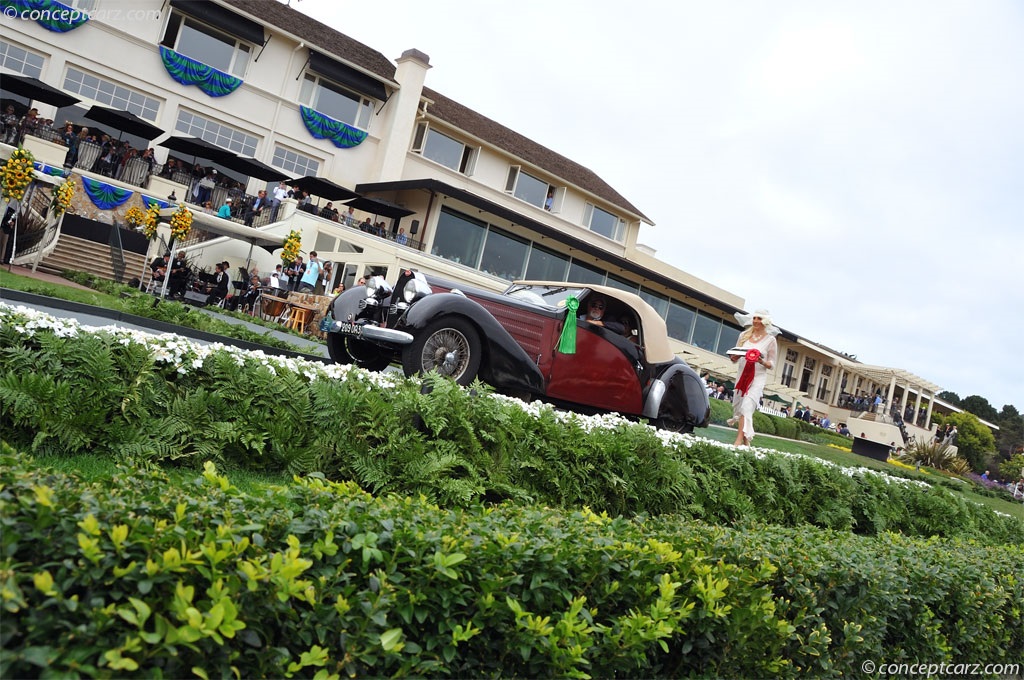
(747, 376)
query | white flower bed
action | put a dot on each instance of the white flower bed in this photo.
(185, 355)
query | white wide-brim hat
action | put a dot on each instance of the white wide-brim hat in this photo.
(766, 318)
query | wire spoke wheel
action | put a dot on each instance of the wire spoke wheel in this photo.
(448, 347)
(447, 352)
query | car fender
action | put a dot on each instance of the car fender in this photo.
(677, 392)
(505, 363)
(346, 307)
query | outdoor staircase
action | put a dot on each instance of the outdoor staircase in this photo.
(98, 259)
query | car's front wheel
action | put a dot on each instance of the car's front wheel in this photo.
(336, 349)
(673, 425)
(367, 355)
(451, 347)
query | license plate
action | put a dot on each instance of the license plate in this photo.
(350, 329)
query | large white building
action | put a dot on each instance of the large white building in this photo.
(485, 204)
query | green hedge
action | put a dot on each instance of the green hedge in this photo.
(166, 402)
(140, 577)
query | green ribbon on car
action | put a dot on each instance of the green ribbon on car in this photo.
(567, 342)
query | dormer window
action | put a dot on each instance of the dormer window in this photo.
(534, 190)
(604, 223)
(445, 150)
(335, 101)
(206, 44)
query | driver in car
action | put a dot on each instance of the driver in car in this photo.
(596, 307)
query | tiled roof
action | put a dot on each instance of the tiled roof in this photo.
(462, 118)
(320, 35)
(317, 34)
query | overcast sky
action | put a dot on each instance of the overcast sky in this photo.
(857, 168)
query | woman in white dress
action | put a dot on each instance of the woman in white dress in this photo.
(753, 374)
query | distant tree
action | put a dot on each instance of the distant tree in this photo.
(980, 407)
(949, 398)
(1010, 438)
(1013, 469)
(975, 442)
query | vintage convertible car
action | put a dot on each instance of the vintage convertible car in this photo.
(511, 341)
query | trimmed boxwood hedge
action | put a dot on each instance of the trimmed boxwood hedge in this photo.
(139, 577)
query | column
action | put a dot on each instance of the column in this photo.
(401, 113)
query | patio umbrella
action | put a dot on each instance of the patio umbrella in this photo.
(124, 121)
(33, 88)
(323, 188)
(378, 206)
(20, 109)
(195, 147)
(250, 167)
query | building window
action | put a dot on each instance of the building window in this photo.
(20, 60)
(705, 332)
(445, 150)
(458, 238)
(546, 265)
(585, 273)
(504, 255)
(614, 281)
(207, 45)
(728, 338)
(526, 187)
(295, 163)
(791, 355)
(787, 373)
(216, 133)
(336, 102)
(826, 370)
(823, 391)
(604, 223)
(807, 375)
(656, 300)
(679, 321)
(111, 94)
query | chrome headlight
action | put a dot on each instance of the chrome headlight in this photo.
(377, 287)
(415, 289)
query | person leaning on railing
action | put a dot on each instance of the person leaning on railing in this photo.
(10, 125)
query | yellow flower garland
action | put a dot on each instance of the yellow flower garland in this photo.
(291, 247)
(147, 219)
(181, 223)
(62, 196)
(135, 216)
(17, 174)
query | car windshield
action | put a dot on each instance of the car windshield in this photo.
(550, 296)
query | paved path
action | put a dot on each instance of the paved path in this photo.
(89, 315)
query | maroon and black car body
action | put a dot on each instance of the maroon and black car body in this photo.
(511, 341)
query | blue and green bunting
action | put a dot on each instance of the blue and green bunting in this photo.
(50, 14)
(50, 170)
(343, 136)
(105, 196)
(188, 71)
(150, 202)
